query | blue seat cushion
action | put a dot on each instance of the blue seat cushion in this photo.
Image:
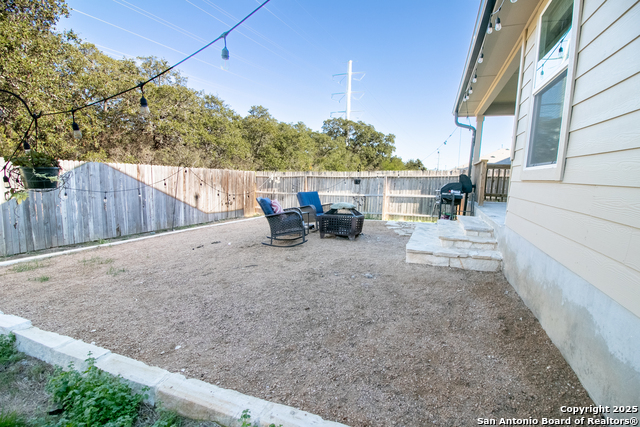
(310, 198)
(265, 204)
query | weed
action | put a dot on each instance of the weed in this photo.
(93, 398)
(115, 271)
(27, 266)
(102, 241)
(167, 419)
(11, 419)
(96, 260)
(41, 279)
(8, 352)
(246, 420)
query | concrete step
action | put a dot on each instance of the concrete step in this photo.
(425, 247)
(452, 235)
(475, 226)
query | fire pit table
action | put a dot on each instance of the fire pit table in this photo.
(341, 222)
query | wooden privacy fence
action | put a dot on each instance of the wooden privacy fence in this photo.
(492, 181)
(383, 195)
(99, 201)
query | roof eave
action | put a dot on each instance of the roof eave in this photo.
(482, 22)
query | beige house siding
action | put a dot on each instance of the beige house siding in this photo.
(590, 221)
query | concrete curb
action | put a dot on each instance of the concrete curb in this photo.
(188, 397)
(121, 242)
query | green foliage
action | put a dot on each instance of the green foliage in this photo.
(246, 420)
(54, 71)
(41, 279)
(93, 398)
(8, 352)
(11, 419)
(96, 260)
(27, 266)
(35, 159)
(167, 419)
(115, 271)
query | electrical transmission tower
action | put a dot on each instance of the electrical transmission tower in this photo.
(349, 93)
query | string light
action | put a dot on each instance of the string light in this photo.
(225, 51)
(144, 106)
(77, 133)
(498, 24)
(470, 90)
(490, 28)
(5, 179)
(474, 79)
(481, 58)
(27, 147)
(513, 1)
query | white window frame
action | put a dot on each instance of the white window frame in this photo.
(553, 172)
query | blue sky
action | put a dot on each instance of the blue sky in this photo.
(284, 56)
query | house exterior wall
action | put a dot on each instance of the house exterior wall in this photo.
(583, 232)
(590, 220)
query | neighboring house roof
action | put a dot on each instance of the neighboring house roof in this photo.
(501, 156)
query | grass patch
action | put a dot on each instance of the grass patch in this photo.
(12, 419)
(96, 260)
(115, 271)
(41, 279)
(8, 352)
(27, 266)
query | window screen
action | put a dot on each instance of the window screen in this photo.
(547, 120)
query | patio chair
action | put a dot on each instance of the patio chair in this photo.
(287, 223)
(306, 198)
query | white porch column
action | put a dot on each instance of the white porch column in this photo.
(476, 150)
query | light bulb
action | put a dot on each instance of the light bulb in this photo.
(470, 90)
(498, 24)
(27, 147)
(490, 28)
(77, 133)
(144, 107)
(225, 53)
(474, 79)
(513, 1)
(481, 58)
(6, 182)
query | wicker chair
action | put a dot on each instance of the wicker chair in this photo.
(287, 223)
(311, 199)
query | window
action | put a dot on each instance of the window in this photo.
(547, 121)
(552, 85)
(555, 40)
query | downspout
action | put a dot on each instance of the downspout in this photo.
(473, 143)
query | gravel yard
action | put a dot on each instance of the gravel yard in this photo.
(343, 329)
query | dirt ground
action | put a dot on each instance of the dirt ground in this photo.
(343, 329)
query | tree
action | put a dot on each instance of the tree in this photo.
(414, 165)
(369, 148)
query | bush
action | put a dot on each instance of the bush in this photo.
(93, 398)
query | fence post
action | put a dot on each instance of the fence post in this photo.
(385, 199)
(482, 182)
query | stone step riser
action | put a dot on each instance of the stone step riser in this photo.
(462, 263)
(460, 244)
(478, 233)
